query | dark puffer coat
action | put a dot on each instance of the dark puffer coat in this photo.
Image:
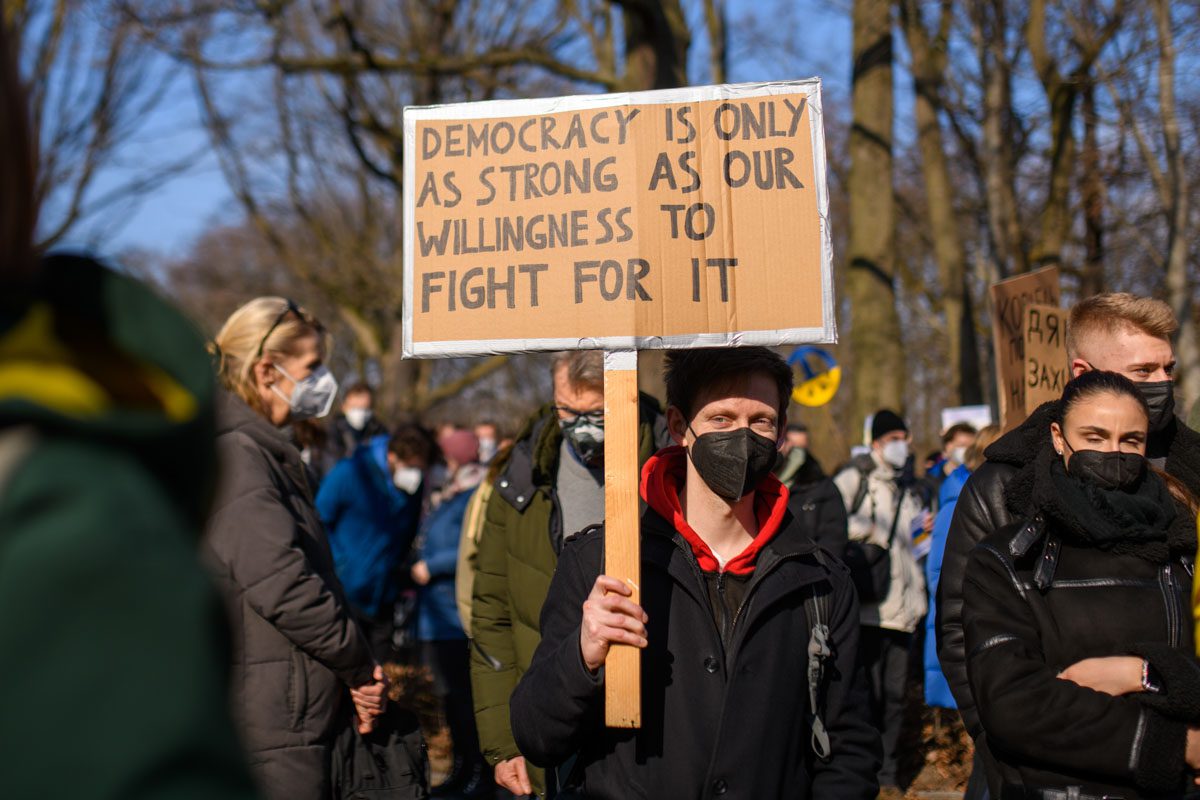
(816, 503)
(716, 722)
(1038, 597)
(296, 647)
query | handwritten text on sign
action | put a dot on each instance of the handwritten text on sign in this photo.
(634, 220)
(1009, 299)
(1046, 367)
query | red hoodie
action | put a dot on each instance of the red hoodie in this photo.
(666, 471)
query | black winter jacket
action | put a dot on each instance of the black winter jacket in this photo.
(716, 723)
(985, 506)
(296, 646)
(816, 503)
(1037, 600)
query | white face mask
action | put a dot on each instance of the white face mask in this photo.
(895, 453)
(959, 455)
(407, 479)
(313, 396)
(487, 449)
(358, 418)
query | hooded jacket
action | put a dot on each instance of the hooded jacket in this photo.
(110, 632)
(518, 551)
(937, 690)
(1067, 582)
(905, 604)
(986, 505)
(297, 648)
(371, 526)
(441, 533)
(722, 715)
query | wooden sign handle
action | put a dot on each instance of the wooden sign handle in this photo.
(622, 540)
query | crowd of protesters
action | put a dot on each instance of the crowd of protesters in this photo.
(204, 570)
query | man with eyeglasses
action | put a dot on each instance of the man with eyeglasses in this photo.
(548, 487)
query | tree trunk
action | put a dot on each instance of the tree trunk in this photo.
(875, 342)
(656, 44)
(1009, 253)
(1091, 279)
(928, 66)
(1179, 287)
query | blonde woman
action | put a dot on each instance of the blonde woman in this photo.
(298, 655)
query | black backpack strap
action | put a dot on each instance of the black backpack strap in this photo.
(860, 494)
(816, 607)
(896, 516)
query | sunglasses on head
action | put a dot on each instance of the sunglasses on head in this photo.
(291, 308)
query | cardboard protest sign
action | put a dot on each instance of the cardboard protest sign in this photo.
(1009, 298)
(1046, 368)
(666, 219)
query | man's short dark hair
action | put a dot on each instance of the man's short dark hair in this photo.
(690, 372)
(412, 441)
(358, 387)
(956, 429)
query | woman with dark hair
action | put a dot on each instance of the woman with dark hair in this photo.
(1077, 619)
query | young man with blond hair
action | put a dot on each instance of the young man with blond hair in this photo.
(1115, 332)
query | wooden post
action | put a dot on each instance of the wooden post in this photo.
(622, 541)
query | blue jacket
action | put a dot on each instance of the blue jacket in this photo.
(437, 609)
(937, 690)
(371, 525)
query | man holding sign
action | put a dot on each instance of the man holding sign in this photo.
(749, 631)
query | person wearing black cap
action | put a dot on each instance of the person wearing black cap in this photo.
(884, 513)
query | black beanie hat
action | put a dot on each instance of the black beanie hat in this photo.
(885, 422)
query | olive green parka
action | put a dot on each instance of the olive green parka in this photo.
(518, 551)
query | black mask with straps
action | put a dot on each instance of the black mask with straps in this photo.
(1160, 399)
(1111, 470)
(732, 462)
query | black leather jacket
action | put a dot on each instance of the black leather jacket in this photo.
(1036, 601)
(985, 506)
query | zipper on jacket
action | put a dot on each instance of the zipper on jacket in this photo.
(725, 631)
(1171, 601)
(760, 574)
(691, 561)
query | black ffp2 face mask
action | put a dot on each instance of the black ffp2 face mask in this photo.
(733, 462)
(1160, 398)
(1113, 471)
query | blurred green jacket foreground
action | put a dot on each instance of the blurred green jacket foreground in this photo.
(113, 645)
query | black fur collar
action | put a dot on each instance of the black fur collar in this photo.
(1020, 446)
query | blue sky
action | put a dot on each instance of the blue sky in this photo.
(168, 219)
